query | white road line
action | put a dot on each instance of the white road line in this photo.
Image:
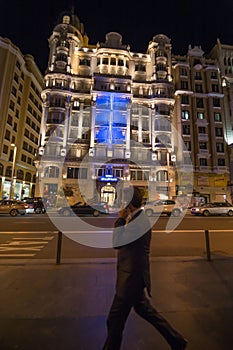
(16, 255)
(35, 238)
(28, 232)
(9, 248)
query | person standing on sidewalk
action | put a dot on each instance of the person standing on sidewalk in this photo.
(131, 238)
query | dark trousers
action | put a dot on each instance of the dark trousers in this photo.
(119, 313)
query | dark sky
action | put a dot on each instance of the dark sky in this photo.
(28, 24)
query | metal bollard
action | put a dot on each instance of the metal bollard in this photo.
(207, 241)
(59, 243)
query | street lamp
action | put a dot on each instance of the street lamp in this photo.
(13, 171)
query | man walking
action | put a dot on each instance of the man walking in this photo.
(132, 237)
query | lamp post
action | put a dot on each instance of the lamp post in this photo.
(13, 171)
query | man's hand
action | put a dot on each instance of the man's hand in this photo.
(123, 213)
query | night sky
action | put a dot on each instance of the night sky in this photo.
(29, 24)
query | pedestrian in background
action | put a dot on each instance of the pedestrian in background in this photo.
(131, 238)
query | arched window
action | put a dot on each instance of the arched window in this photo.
(20, 174)
(1, 169)
(8, 171)
(28, 177)
(51, 171)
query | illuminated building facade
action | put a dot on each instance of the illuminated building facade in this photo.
(200, 116)
(224, 55)
(111, 116)
(20, 118)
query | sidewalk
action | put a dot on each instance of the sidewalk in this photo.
(64, 307)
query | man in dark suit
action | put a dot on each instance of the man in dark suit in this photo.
(132, 237)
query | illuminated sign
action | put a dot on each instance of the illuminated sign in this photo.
(108, 178)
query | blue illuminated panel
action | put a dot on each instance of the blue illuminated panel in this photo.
(110, 123)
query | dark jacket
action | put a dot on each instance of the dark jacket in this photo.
(133, 244)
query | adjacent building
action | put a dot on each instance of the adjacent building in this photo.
(20, 119)
(112, 116)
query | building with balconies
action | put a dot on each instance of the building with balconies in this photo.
(20, 118)
(112, 116)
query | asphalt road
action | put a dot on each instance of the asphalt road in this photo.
(36, 236)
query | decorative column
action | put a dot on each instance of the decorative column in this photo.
(140, 125)
(127, 153)
(80, 120)
(92, 136)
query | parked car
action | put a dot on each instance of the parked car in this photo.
(79, 209)
(160, 207)
(12, 207)
(35, 205)
(214, 208)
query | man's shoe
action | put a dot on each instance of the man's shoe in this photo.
(181, 345)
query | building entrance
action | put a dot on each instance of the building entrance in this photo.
(108, 194)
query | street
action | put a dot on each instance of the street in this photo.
(36, 236)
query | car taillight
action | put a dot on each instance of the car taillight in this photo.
(25, 206)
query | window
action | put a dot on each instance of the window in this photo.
(201, 130)
(184, 85)
(5, 149)
(213, 75)
(186, 129)
(216, 102)
(23, 158)
(198, 88)
(120, 62)
(113, 61)
(77, 173)
(187, 145)
(16, 78)
(199, 102)
(217, 117)
(7, 135)
(221, 162)
(13, 91)
(215, 88)
(162, 175)
(198, 76)
(105, 60)
(185, 115)
(17, 64)
(200, 115)
(219, 132)
(8, 171)
(202, 145)
(20, 174)
(220, 147)
(140, 67)
(183, 71)
(9, 120)
(12, 105)
(185, 99)
(51, 171)
(85, 62)
(203, 161)
(28, 177)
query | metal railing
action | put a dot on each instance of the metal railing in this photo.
(59, 246)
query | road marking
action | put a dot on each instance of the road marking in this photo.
(33, 249)
(39, 238)
(22, 244)
(27, 232)
(16, 255)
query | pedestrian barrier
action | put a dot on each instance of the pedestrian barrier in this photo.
(59, 246)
